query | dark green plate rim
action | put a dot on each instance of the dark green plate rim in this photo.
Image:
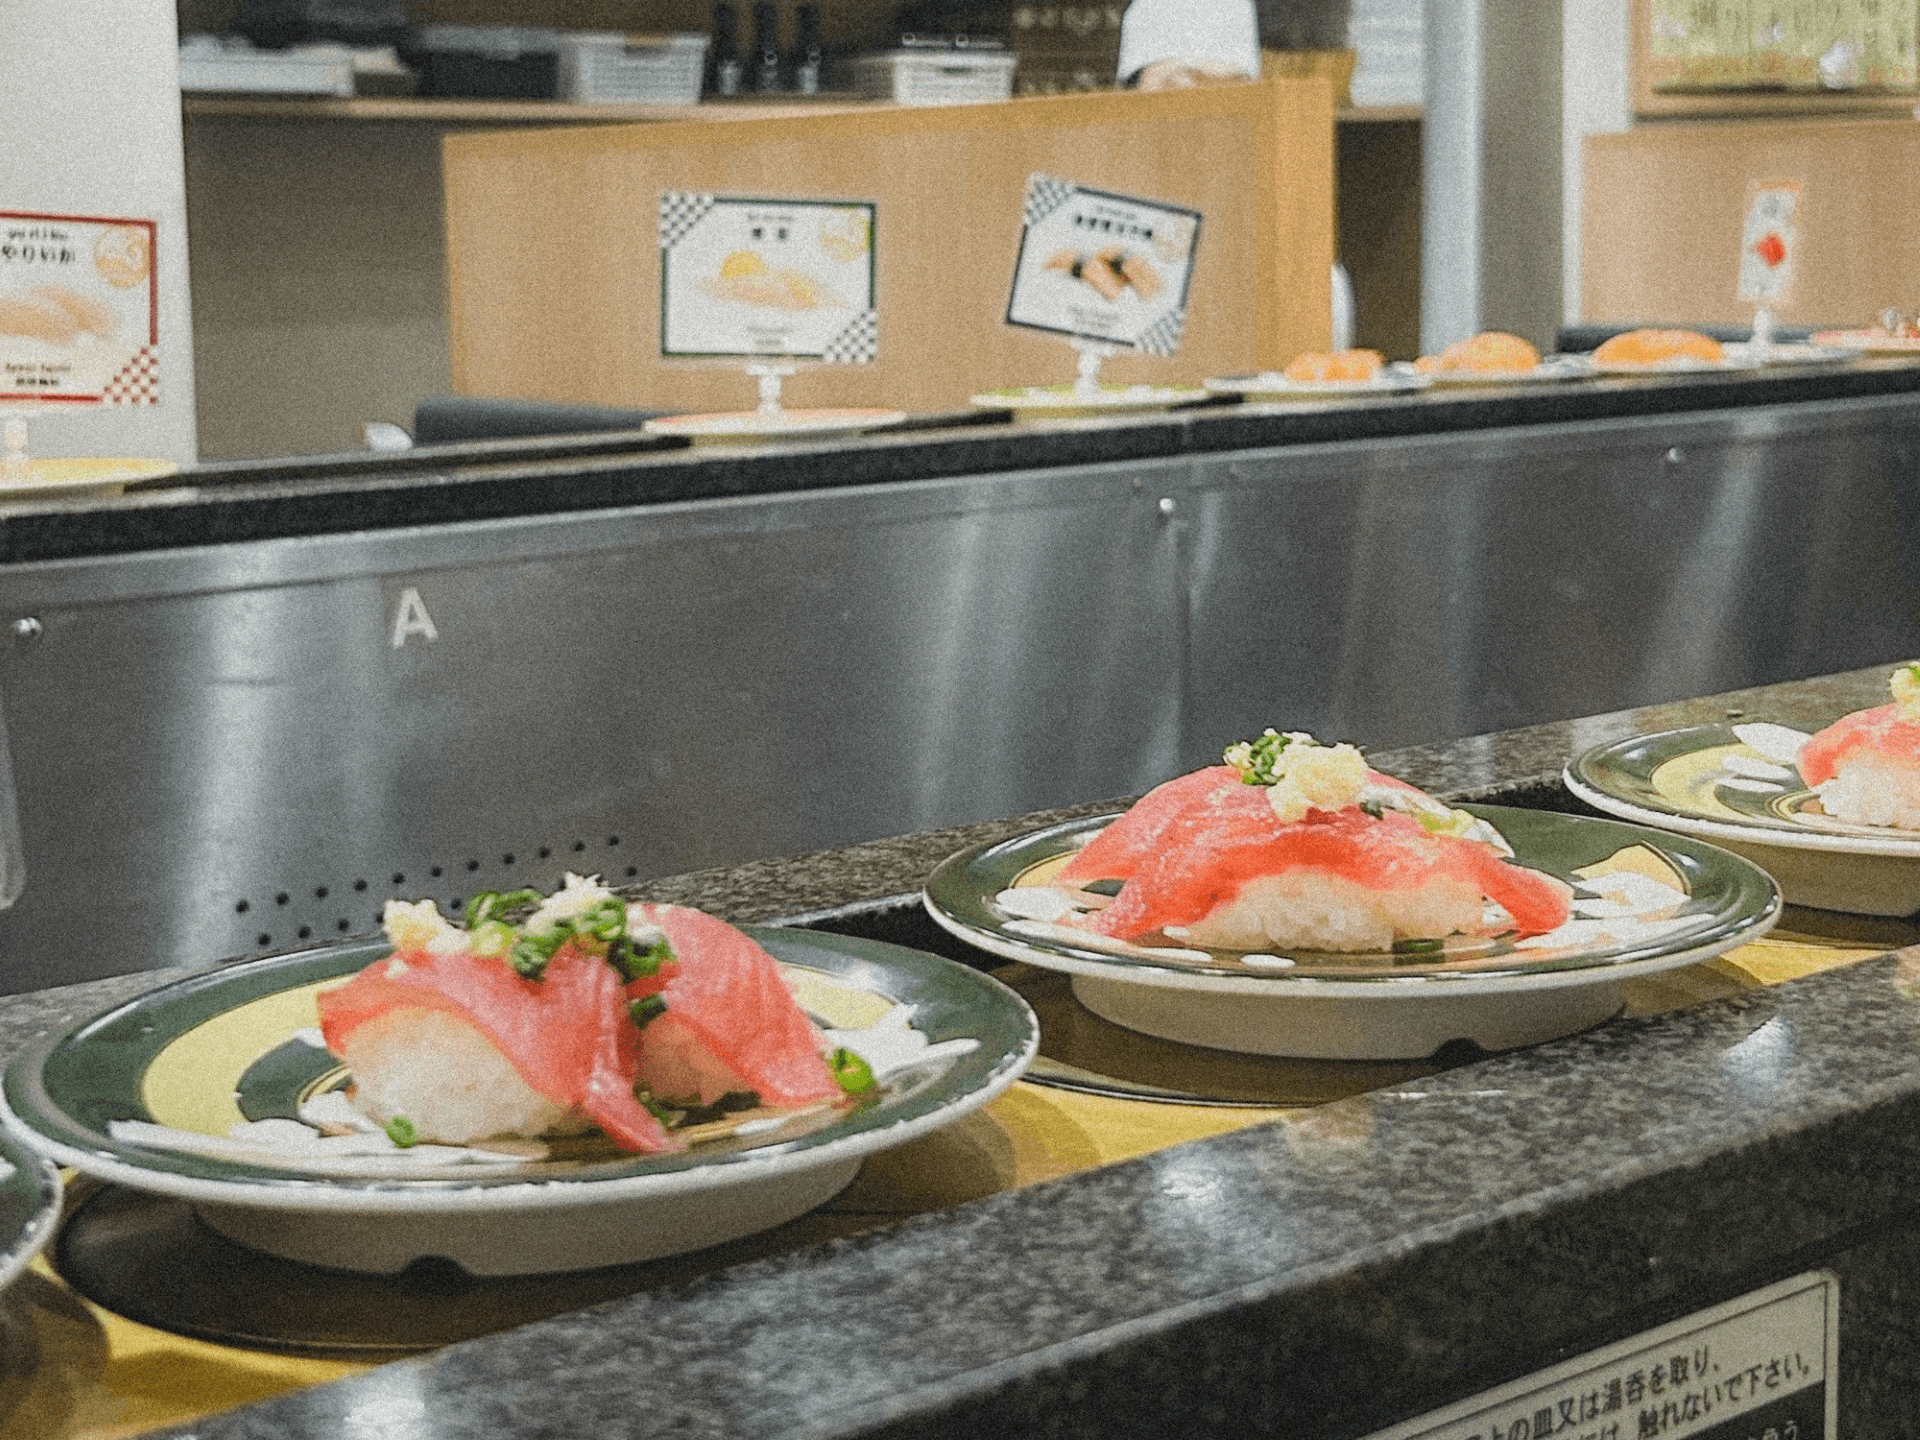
(62, 1091)
(29, 1204)
(1741, 898)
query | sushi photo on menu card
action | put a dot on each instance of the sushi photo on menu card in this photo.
(779, 278)
(1112, 269)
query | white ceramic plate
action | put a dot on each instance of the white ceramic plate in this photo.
(1789, 353)
(1868, 342)
(1272, 385)
(750, 425)
(1646, 902)
(235, 1045)
(80, 475)
(1736, 785)
(1067, 401)
(1552, 370)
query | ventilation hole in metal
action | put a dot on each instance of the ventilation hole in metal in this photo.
(320, 893)
(359, 884)
(281, 898)
(472, 865)
(305, 931)
(263, 941)
(545, 851)
(578, 846)
(242, 906)
(506, 859)
(399, 879)
(612, 840)
(342, 926)
(436, 872)
(633, 871)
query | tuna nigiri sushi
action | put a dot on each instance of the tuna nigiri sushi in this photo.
(1295, 844)
(1866, 766)
(586, 1013)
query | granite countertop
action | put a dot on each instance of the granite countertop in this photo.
(1321, 1276)
(263, 500)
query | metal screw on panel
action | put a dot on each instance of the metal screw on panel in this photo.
(28, 627)
(1168, 505)
(1675, 455)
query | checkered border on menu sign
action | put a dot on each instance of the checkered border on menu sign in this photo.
(680, 211)
(138, 381)
(1045, 195)
(857, 342)
(1163, 336)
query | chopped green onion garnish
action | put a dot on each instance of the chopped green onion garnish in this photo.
(492, 937)
(647, 1009)
(529, 956)
(1258, 760)
(400, 1131)
(1417, 947)
(606, 920)
(634, 961)
(482, 908)
(853, 1073)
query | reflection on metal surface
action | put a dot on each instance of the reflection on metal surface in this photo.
(224, 747)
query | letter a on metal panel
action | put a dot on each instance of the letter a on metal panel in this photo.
(412, 619)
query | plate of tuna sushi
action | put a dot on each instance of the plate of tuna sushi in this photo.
(1295, 901)
(1834, 815)
(560, 1083)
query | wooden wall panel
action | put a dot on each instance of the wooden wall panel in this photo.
(553, 261)
(1664, 205)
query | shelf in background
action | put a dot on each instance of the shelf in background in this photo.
(499, 112)
(561, 112)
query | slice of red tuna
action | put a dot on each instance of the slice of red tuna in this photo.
(567, 1033)
(730, 1022)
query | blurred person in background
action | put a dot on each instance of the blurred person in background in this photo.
(1176, 44)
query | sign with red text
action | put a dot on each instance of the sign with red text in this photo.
(1767, 241)
(79, 313)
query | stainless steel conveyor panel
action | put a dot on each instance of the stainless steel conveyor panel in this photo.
(233, 748)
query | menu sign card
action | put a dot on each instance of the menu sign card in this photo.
(790, 279)
(1766, 241)
(79, 313)
(1760, 1367)
(1105, 268)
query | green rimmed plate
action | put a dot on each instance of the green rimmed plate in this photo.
(29, 1205)
(1644, 902)
(234, 1045)
(1736, 785)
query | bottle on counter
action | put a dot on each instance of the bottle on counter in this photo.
(806, 64)
(723, 55)
(767, 76)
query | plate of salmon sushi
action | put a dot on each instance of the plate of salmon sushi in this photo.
(1833, 815)
(1295, 901)
(561, 1082)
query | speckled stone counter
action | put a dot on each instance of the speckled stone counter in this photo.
(262, 500)
(1323, 1276)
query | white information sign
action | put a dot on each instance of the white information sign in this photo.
(787, 279)
(1762, 1367)
(1104, 268)
(79, 313)
(1767, 241)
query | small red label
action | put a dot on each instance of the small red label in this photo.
(1771, 248)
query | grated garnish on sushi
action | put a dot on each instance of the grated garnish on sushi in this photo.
(1292, 844)
(561, 1014)
(1866, 766)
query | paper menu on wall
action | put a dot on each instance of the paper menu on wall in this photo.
(1110, 269)
(775, 278)
(79, 313)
